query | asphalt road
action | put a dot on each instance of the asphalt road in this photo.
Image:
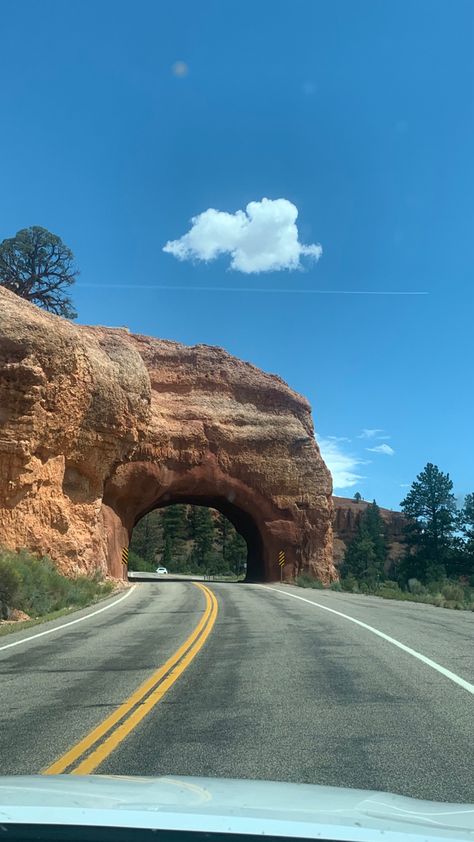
(281, 689)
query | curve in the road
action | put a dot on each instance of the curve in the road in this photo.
(466, 685)
(84, 757)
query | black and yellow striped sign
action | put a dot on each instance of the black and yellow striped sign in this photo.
(125, 556)
(281, 558)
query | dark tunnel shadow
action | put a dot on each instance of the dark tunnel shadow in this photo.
(241, 520)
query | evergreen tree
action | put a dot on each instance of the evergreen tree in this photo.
(224, 530)
(466, 551)
(467, 519)
(203, 526)
(166, 534)
(174, 519)
(236, 553)
(147, 538)
(38, 266)
(430, 507)
(167, 558)
(366, 555)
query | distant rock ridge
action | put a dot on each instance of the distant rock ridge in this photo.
(346, 519)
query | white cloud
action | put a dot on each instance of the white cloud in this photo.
(263, 238)
(342, 465)
(382, 448)
(369, 434)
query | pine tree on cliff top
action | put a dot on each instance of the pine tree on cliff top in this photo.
(36, 265)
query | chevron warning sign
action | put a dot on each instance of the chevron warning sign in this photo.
(125, 555)
(281, 558)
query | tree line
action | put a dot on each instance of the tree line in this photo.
(439, 537)
(187, 539)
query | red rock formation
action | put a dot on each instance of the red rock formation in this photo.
(98, 427)
(346, 519)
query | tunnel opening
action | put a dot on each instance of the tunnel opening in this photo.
(197, 537)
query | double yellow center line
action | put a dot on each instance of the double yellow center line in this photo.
(84, 757)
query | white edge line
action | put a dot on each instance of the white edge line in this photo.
(447, 673)
(71, 622)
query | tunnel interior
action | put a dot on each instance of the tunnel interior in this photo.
(243, 523)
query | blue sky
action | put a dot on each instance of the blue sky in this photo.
(360, 114)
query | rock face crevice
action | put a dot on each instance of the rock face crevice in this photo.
(99, 426)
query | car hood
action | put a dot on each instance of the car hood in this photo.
(231, 806)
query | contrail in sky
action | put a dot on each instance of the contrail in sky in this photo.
(171, 288)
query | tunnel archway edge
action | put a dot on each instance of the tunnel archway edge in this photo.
(138, 488)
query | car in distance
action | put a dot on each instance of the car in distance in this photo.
(161, 570)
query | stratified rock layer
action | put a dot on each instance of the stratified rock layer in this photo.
(99, 426)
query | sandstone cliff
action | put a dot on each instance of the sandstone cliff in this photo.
(99, 426)
(346, 517)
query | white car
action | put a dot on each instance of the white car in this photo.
(219, 810)
(161, 570)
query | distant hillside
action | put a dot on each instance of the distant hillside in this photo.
(347, 514)
(187, 539)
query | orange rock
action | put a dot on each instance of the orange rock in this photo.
(346, 519)
(99, 426)
(17, 616)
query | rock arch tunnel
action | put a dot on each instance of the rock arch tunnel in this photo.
(243, 523)
(99, 426)
(126, 502)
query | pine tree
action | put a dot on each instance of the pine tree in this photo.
(174, 520)
(430, 507)
(236, 553)
(465, 555)
(38, 266)
(167, 559)
(366, 555)
(203, 525)
(467, 519)
(224, 531)
(147, 537)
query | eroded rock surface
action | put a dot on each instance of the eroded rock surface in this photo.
(99, 426)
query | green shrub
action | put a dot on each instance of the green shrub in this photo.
(9, 585)
(453, 592)
(336, 586)
(136, 562)
(442, 593)
(350, 584)
(435, 586)
(415, 587)
(390, 590)
(390, 585)
(42, 589)
(304, 580)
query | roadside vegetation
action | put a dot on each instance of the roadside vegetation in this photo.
(36, 588)
(446, 593)
(188, 539)
(438, 565)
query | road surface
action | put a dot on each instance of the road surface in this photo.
(258, 684)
